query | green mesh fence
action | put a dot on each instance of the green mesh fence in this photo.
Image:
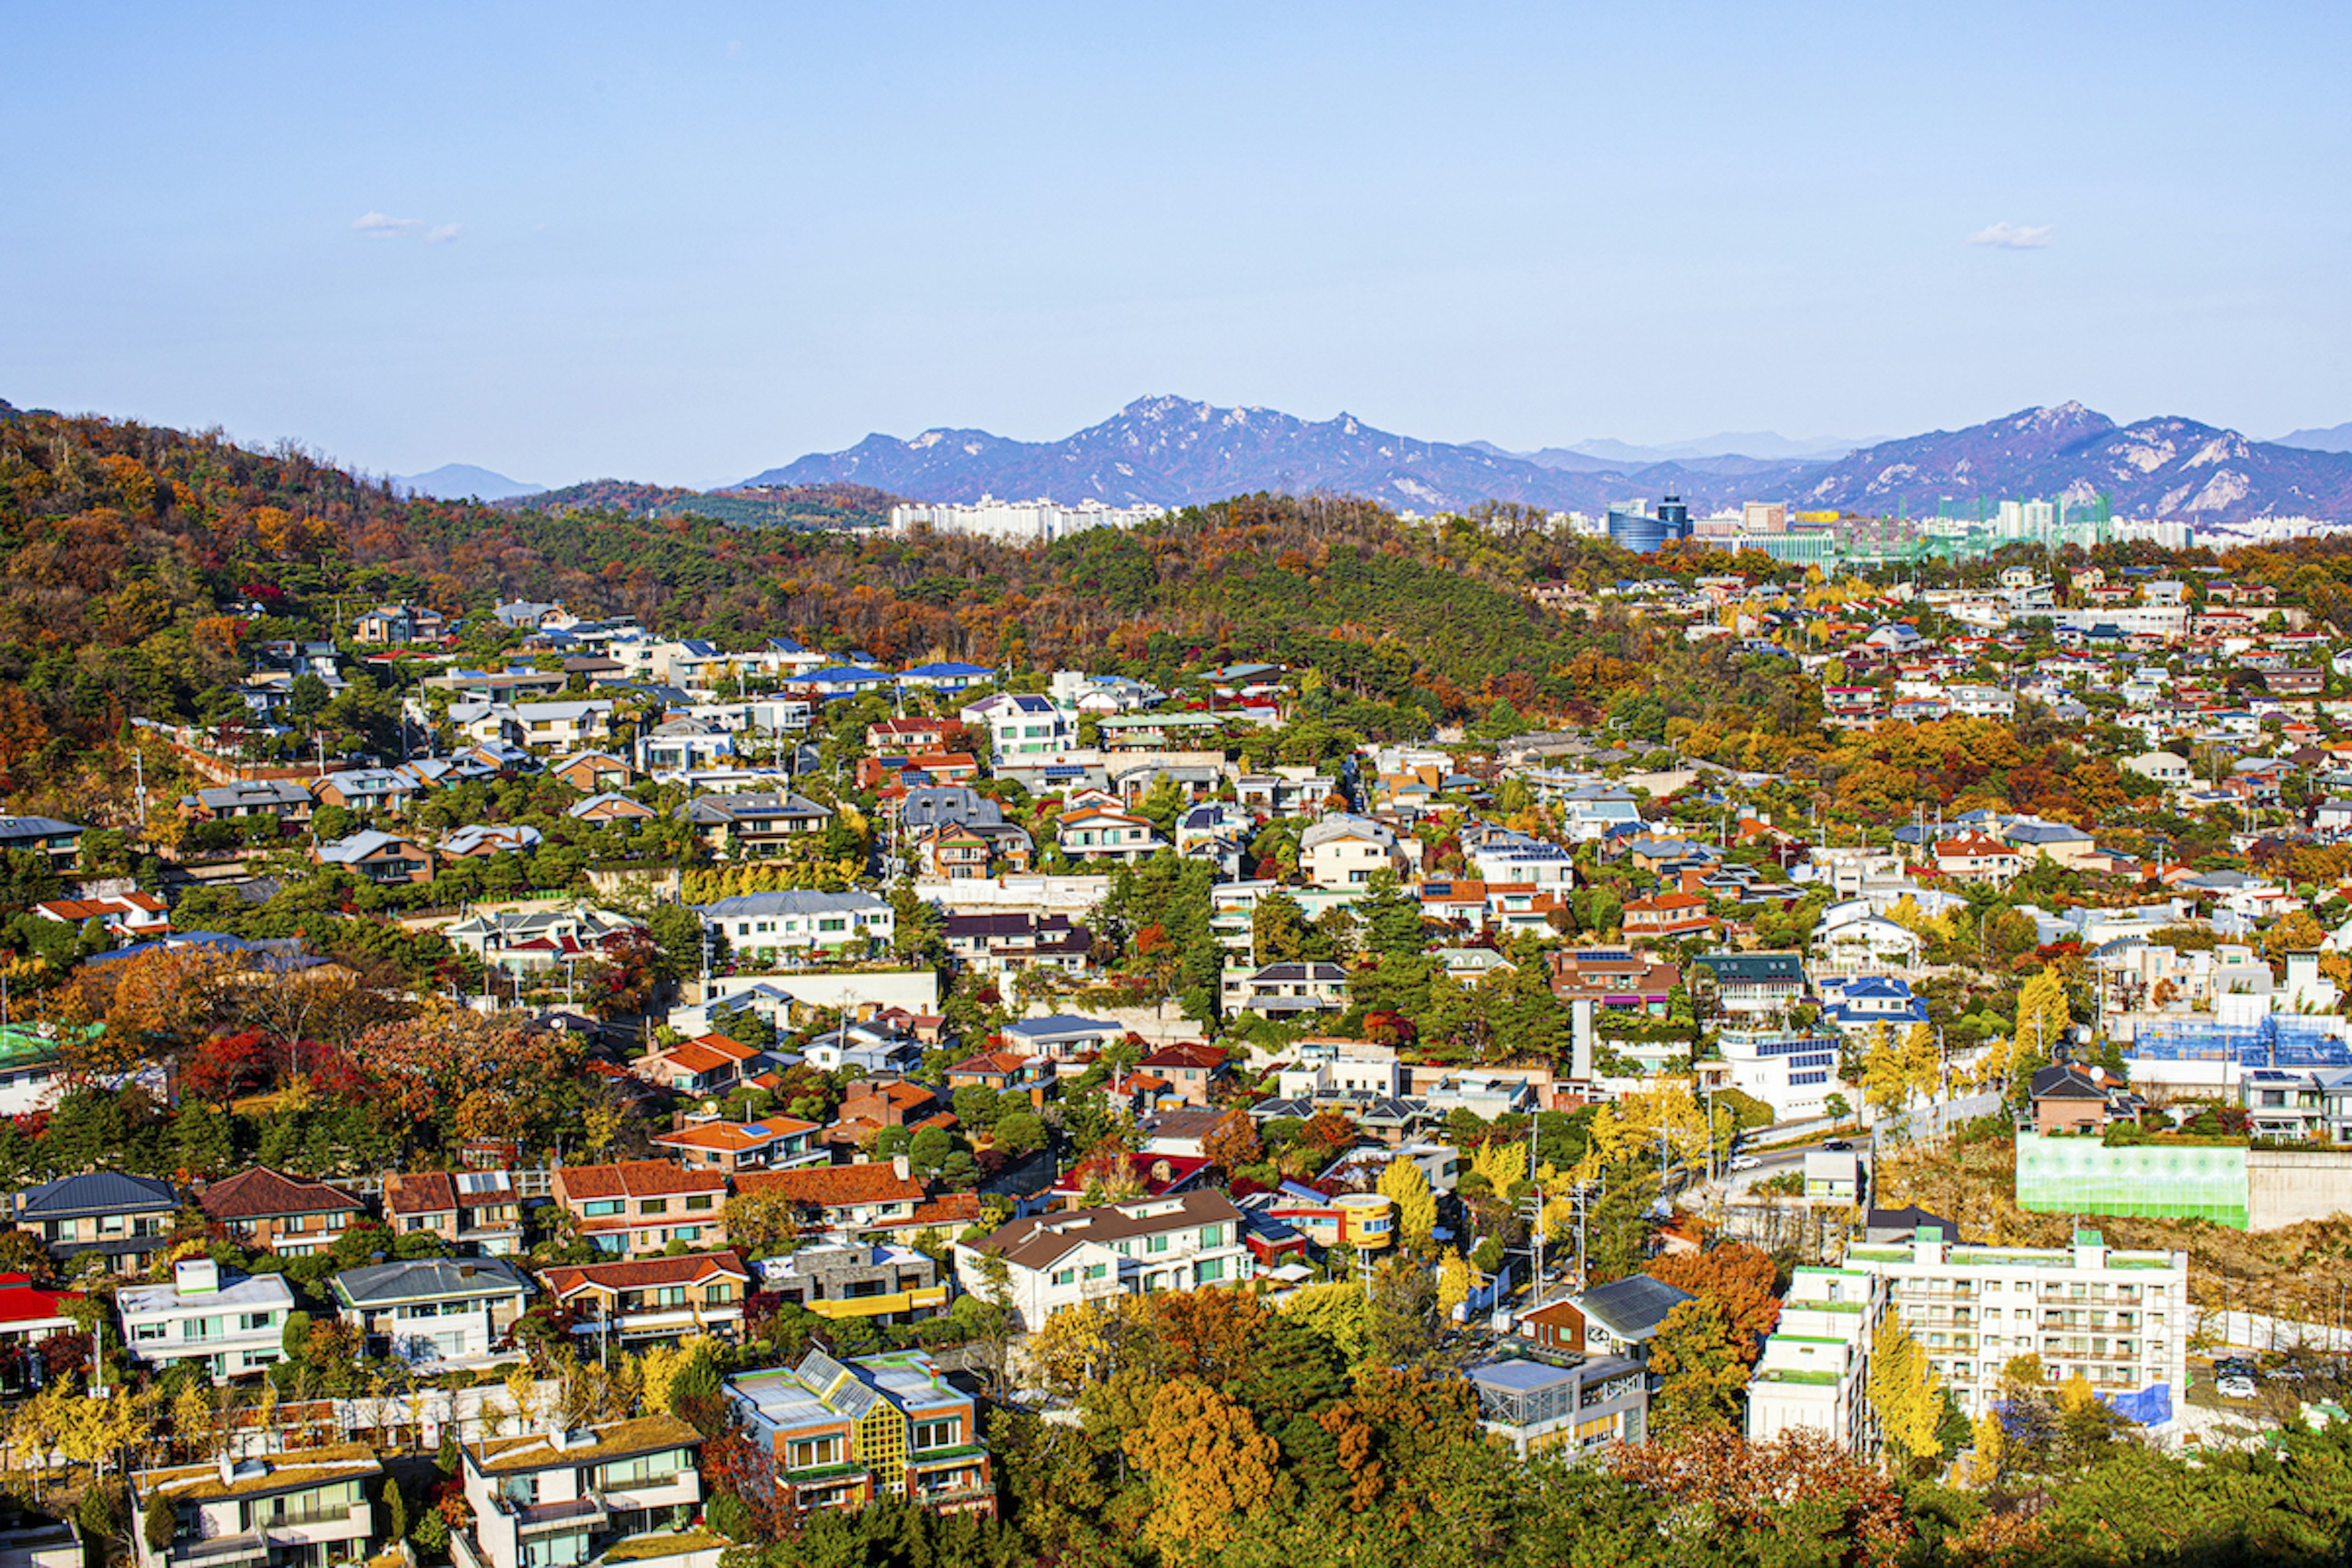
(2078, 1175)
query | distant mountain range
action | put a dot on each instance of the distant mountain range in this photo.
(1173, 452)
(2334, 439)
(456, 481)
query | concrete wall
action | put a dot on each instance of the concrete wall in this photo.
(1014, 895)
(2288, 1187)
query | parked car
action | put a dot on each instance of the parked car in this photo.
(1838, 1146)
(1745, 1162)
(2235, 1386)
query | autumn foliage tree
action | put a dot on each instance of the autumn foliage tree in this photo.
(1210, 1469)
(467, 1074)
(1737, 1278)
(1815, 1502)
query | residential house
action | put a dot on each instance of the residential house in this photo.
(1005, 1072)
(1622, 1317)
(264, 1210)
(283, 799)
(227, 1324)
(473, 1211)
(28, 1316)
(1096, 833)
(877, 1195)
(659, 1298)
(841, 1434)
(1663, 917)
(1568, 1409)
(388, 625)
(714, 1143)
(749, 826)
(907, 737)
(877, 1281)
(637, 1207)
(58, 843)
(1343, 851)
(127, 1221)
(126, 917)
(870, 1104)
(1751, 983)
(2070, 1099)
(370, 790)
(1615, 978)
(530, 941)
(1064, 1037)
(1193, 1070)
(305, 1508)
(762, 925)
(1010, 943)
(704, 1066)
(1287, 989)
(433, 1310)
(1021, 727)
(1974, 857)
(611, 809)
(1175, 1242)
(620, 1493)
(378, 857)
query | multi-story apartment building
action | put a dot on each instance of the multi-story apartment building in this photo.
(227, 1324)
(125, 1219)
(304, 1509)
(622, 1492)
(635, 1208)
(1053, 1260)
(1815, 1372)
(2120, 1318)
(842, 1435)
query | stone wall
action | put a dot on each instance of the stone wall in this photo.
(2288, 1187)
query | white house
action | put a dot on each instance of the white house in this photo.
(1022, 726)
(230, 1324)
(1344, 851)
(1814, 1373)
(1054, 1260)
(445, 1309)
(618, 1492)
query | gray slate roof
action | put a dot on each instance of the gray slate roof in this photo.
(422, 1279)
(1632, 1308)
(97, 1193)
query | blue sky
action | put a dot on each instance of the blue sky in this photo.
(686, 243)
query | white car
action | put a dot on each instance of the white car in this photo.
(2235, 1386)
(1745, 1163)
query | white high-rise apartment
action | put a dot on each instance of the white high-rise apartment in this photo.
(1815, 1368)
(2118, 1317)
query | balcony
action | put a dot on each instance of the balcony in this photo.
(222, 1550)
(571, 1513)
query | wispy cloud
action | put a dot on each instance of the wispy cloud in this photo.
(384, 226)
(2013, 236)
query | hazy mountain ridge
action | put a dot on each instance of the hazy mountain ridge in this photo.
(1174, 452)
(458, 481)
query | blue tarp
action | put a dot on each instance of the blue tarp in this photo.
(2150, 1407)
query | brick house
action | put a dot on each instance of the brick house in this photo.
(475, 1210)
(653, 1298)
(635, 1208)
(268, 1211)
(876, 1194)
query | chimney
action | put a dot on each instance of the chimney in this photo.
(226, 1465)
(898, 1164)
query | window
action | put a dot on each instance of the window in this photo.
(1212, 1271)
(1212, 1235)
(809, 1453)
(600, 1209)
(653, 1205)
(1064, 1276)
(1157, 1243)
(687, 1233)
(718, 1294)
(698, 1203)
(1098, 1271)
(937, 1434)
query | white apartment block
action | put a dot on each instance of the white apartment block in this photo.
(229, 1326)
(2119, 1317)
(1055, 1260)
(1018, 523)
(1814, 1373)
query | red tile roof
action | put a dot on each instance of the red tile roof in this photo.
(264, 1194)
(426, 1192)
(734, 1137)
(692, 1269)
(633, 1179)
(833, 1186)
